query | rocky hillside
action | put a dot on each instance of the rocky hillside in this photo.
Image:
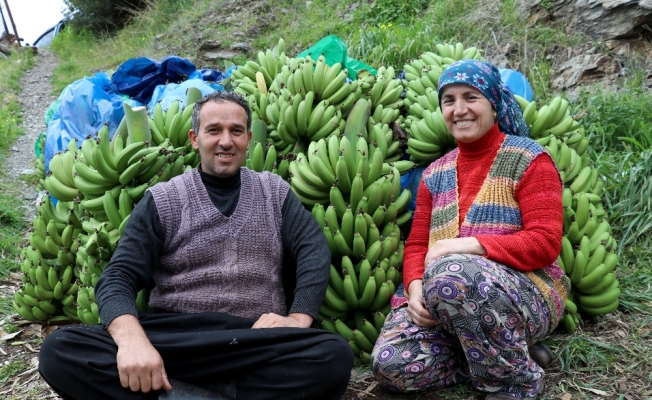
(618, 40)
(612, 39)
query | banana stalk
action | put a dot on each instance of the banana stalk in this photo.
(137, 124)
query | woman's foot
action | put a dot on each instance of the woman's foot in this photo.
(541, 354)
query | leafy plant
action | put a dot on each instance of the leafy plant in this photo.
(384, 11)
(611, 116)
(11, 369)
(547, 4)
(391, 45)
(10, 328)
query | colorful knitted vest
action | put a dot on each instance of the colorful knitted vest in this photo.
(213, 263)
(494, 211)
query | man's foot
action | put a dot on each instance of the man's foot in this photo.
(185, 391)
(541, 354)
(505, 396)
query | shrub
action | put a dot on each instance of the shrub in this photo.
(101, 16)
(383, 11)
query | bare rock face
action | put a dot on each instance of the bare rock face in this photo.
(599, 19)
(218, 55)
(584, 69)
(211, 50)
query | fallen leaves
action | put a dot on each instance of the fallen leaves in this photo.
(10, 336)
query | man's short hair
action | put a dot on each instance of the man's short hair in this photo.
(220, 97)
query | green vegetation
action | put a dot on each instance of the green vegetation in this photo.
(9, 370)
(10, 328)
(12, 228)
(620, 131)
(383, 11)
(102, 15)
(11, 70)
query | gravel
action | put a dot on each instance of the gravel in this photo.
(36, 97)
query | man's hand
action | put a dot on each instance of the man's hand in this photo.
(466, 245)
(416, 307)
(294, 320)
(140, 366)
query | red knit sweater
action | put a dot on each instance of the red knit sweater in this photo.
(538, 194)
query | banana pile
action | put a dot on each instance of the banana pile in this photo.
(429, 138)
(96, 187)
(357, 199)
(551, 119)
(588, 255)
(337, 142)
(48, 285)
(262, 155)
(302, 100)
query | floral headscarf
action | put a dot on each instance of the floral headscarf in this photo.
(486, 79)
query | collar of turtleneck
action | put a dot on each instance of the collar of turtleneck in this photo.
(211, 181)
(488, 143)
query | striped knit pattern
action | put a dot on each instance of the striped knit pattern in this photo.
(494, 211)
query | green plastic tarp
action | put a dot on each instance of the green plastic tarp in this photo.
(334, 50)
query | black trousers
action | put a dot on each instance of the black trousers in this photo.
(207, 350)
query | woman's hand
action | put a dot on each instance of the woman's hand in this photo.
(416, 307)
(466, 245)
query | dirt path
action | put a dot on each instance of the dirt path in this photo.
(36, 97)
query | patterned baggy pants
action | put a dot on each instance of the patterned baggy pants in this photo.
(487, 314)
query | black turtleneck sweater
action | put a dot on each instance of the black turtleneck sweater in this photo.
(306, 254)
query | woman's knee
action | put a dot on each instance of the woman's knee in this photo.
(386, 366)
(451, 278)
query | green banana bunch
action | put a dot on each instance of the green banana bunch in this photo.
(386, 91)
(366, 80)
(354, 299)
(262, 158)
(88, 312)
(588, 252)
(429, 138)
(551, 119)
(575, 170)
(59, 180)
(270, 63)
(419, 102)
(47, 263)
(425, 71)
(571, 318)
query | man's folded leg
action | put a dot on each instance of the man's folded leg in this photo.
(204, 350)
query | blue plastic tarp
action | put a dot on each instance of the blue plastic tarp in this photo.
(210, 75)
(85, 106)
(517, 83)
(167, 94)
(411, 180)
(138, 77)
